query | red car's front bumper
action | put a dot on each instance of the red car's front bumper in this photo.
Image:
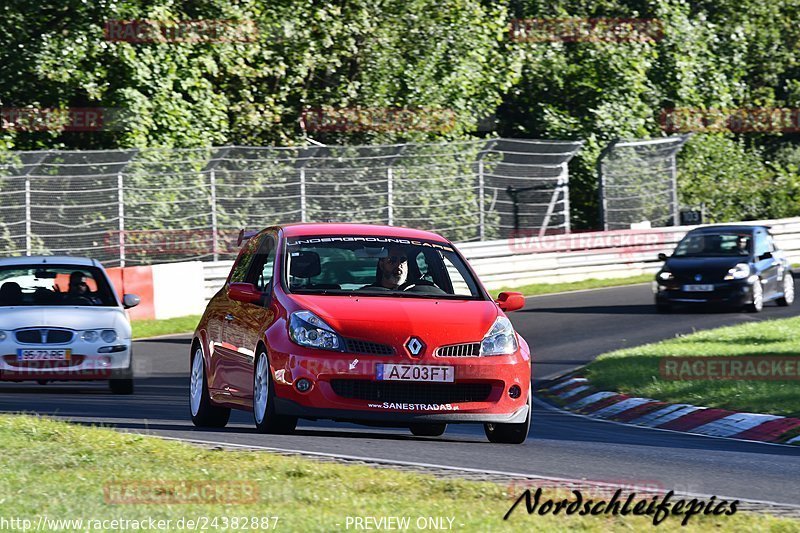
(344, 387)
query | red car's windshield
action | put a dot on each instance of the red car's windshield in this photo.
(381, 266)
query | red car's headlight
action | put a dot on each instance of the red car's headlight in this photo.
(501, 339)
(307, 329)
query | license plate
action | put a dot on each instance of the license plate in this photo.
(698, 288)
(436, 374)
(41, 354)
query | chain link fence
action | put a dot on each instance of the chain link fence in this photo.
(132, 207)
(638, 182)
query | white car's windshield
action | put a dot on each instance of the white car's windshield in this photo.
(54, 285)
(377, 266)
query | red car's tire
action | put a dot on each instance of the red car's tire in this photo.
(204, 413)
(510, 433)
(264, 416)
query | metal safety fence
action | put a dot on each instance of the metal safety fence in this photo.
(129, 207)
(638, 183)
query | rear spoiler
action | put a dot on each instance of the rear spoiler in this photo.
(244, 235)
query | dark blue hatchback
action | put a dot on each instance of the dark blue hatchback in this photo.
(734, 266)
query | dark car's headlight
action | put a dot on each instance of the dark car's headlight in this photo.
(501, 339)
(307, 329)
(740, 271)
(665, 275)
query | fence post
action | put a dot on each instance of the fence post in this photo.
(27, 215)
(602, 185)
(121, 203)
(673, 168)
(565, 186)
(389, 196)
(303, 206)
(213, 199)
(481, 207)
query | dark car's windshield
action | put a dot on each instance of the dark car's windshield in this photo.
(377, 266)
(54, 285)
(728, 244)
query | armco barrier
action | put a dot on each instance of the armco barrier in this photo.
(166, 291)
(528, 258)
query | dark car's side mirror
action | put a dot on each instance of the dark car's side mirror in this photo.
(510, 301)
(662, 256)
(244, 292)
(765, 255)
(130, 300)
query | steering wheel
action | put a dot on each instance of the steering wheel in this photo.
(409, 284)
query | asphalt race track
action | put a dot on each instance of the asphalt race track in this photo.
(564, 331)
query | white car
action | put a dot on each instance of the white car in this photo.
(60, 319)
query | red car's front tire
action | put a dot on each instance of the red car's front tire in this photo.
(510, 433)
(267, 421)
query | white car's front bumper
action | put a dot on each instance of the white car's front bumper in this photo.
(86, 361)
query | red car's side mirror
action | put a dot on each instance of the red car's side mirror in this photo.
(510, 301)
(244, 292)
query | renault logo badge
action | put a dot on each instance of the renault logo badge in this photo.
(698, 277)
(415, 346)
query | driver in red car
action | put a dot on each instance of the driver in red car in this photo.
(393, 269)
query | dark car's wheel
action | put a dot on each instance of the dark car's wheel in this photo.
(788, 290)
(510, 433)
(758, 298)
(267, 421)
(204, 413)
(428, 430)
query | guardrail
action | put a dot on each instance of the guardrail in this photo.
(528, 258)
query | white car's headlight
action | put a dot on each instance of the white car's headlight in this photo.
(90, 335)
(740, 271)
(3, 335)
(665, 275)
(501, 339)
(108, 335)
(307, 329)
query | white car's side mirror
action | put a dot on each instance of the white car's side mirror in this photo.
(130, 300)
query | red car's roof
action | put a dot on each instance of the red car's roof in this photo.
(329, 228)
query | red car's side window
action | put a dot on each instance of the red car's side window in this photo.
(242, 265)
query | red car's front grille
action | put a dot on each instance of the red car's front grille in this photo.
(469, 349)
(368, 348)
(402, 392)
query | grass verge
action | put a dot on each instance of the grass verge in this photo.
(166, 326)
(550, 288)
(635, 371)
(70, 472)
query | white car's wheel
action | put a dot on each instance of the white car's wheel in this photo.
(204, 413)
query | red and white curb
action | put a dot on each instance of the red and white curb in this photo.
(575, 393)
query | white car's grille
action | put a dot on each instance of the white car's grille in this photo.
(44, 336)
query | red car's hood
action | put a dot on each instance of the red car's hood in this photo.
(392, 320)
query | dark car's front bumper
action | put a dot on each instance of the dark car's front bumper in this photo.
(735, 293)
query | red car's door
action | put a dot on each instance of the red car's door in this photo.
(247, 321)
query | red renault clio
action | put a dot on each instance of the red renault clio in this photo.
(372, 324)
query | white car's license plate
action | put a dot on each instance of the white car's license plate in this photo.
(698, 288)
(436, 374)
(42, 354)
